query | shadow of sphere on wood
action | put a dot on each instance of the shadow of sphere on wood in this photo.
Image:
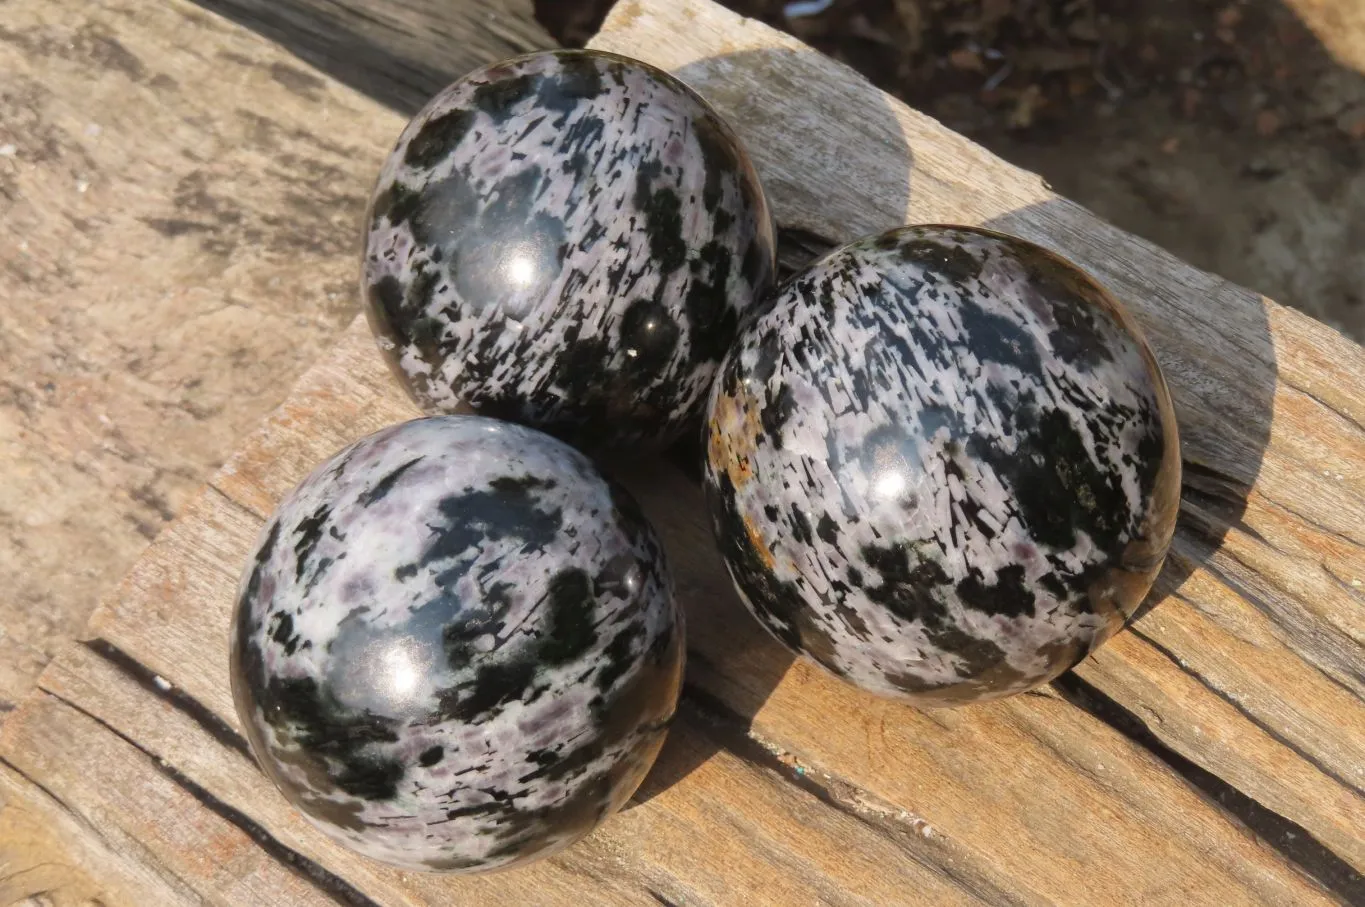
(734, 663)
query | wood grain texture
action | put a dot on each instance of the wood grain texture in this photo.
(991, 798)
(781, 785)
(56, 856)
(1263, 636)
(181, 204)
(172, 257)
(775, 837)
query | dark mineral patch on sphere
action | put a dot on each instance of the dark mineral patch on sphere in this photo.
(943, 463)
(566, 240)
(456, 647)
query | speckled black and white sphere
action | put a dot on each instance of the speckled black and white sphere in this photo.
(566, 240)
(943, 463)
(456, 647)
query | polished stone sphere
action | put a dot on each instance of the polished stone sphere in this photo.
(455, 646)
(566, 240)
(943, 463)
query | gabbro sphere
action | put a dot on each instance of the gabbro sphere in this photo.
(943, 463)
(456, 647)
(566, 240)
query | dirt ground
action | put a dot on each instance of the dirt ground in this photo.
(1221, 130)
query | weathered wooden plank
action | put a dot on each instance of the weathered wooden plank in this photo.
(1001, 786)
(1250, 669)
(1339, 26)
(55, 853)
(111, 794)
(779, 843)
(1266, 693)
(174, 251)
(1265, 397)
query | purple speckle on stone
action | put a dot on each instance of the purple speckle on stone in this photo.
(943, 463)
(456, 647)
(566, 240)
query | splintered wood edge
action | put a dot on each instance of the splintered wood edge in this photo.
(1316, 388)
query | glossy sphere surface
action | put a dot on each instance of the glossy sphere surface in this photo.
(456, 647)
(566, 240)
(943, 463)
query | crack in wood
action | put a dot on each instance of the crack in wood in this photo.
(1312, 523)
(166, 874)
(1246, 713)
(1352, 589)
(1288, 838)
(1324, 404)
(1206, 476)
(1265, 610)
(51, 795)
(323, 880)
(1251, 532)
(1331, 641)
(1215, 501)
(184, 703)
